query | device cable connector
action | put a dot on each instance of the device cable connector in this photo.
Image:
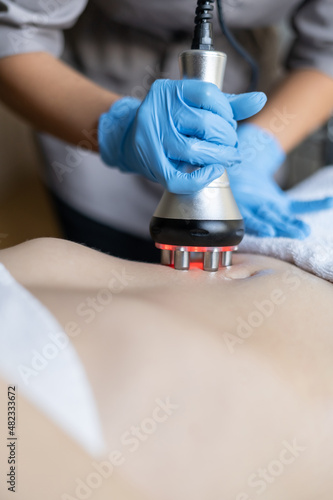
(203, 31)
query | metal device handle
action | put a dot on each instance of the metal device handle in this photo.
(206, 65)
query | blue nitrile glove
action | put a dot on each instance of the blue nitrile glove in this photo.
(266, 209)
(179, 123)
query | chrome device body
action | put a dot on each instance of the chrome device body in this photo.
(207, 222)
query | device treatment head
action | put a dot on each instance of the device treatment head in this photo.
(205, 226)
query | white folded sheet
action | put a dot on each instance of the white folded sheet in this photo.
(38, 358)
(315, 253)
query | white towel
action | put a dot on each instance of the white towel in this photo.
(315, 253)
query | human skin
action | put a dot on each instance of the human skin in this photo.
(298, 105)
(241, 399)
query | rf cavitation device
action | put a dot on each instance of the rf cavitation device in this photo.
(205, 226)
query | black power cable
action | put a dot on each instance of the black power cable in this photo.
(203, 35)
(237, 46)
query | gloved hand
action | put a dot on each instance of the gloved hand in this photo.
(179, 123)
(266, 209)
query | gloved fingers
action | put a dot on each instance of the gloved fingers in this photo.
(284, 225)
(246, 105)
(188, 183)
(294, 228)
(205, 95)
(302, 226)
(305, 206)
(111, 126)
(197, 152)
(256, 226)
(204, 125)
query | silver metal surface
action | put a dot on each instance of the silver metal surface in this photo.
(196, 256)
(211, 261)
(182, 260)
(215, 202)
(166, 257)
(206, 65)
(210, 257)
(226, 259)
